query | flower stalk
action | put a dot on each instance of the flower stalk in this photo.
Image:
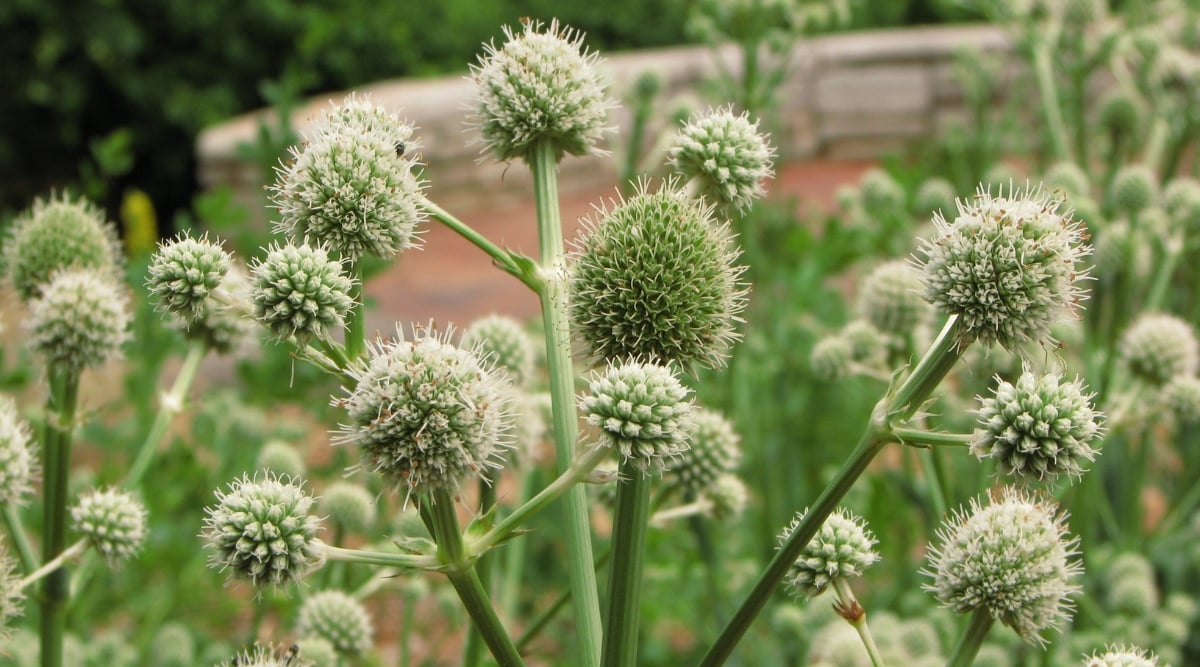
(625, 578)
(171, 404)
(968, 645)
(60, 429)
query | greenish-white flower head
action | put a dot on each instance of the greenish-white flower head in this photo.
(654, 278)
(642, 412)
(724, 157)
(281, 458)
(300, 291)
(55, 235)
(425, 413)
(348, 506)
(317, 651)
(268, 656)
(80, 320)
(114, 521)
(831, 358)
(882, 195)
(1181, 200)
(1121, 656)
(173, 646)
(890, 298)
(1157, 347)
(1134, 188)
(12, 598)
(1122, 249)
(1039, 428)
(352, 187)
(226, 327)
(262, 530)
(541, 87)
(842, 548)
(714, 449)
(18, 462)
(1182, 397)
(1007, 266)
(183, 273)
(1120, 113)
(338, 618)
(868, 345)
(1068, 178)
(933, 195)
(1012, 558)
(728, 497)
(504, 341)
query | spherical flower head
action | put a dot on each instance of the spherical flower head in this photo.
(112, 520)
(1039, 428)
(262, 530)
(1133, 189)
(540, 88)
(1121, 656)
(1122, 249)
(338, 618)
(642, 412)
(890, 298)
(1157, 347)
(317, 651)
(1182, 396)
(1067, 177)
(1120, 113)
(12, 599)
(80, 320)
(1181, 199)
(281, 458)
(724, 157)
(226, 328)
(348, 506)
(1006, 266)
(55, 235)
(183, 273)
(503, 340)
(934, 194)
(728, 496)
(842, 548)
(18, 463)
(882, 195)
(352, 187)
(267, 656)
(714, 449)
(868, 345)
(299, 291)
(425, 413)
(173, 646)
(654, 278)
(831, 357)
(1012, 558)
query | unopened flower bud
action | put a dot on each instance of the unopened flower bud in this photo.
(183, 273)
(55, 235)
(80, 320)
(114, 521)
(1157, 347)
(299, 291)
(641, 410)
(724, 156)
(503, 340)
(338, 618)
(842, 548)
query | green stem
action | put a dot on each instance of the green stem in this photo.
(922, 438)
(941, 356)
(553, 294)
(60, 429)
(484, 566)
(170, 405)
(972, 639)
(625, 577)
(711, 557)
(1173, 248)
(1043, 70)
(16, 530)
(503, 259)
(70, 553)
(514, 564)
(356, 321)
(383, 558)
(935, 477)
(541, 620)
(848, 601)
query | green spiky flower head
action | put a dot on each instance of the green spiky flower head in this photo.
(1012, 558)
(268, 656)
(114, 521)
(1007, 266)
(728, 497)
(714, 449)
(58, 234)
(80, 320)
(1134, 188)
(183, 273)
(425, 413)
(654, 278)
(299, 291)
(281, 458)
(352, 187)
(1067, 177)
(1121, 656)
(890, 298)
(1157, 347)
(348, 506)
(503, 340)
(339, 619)
(18, 463)
(723, 157)
(831, 358)
(882, 196)
(842, 548)
(1120, 113)
(12, 599)
(642, 411)
(1181, 200)
(541, 87)
(1182, 397)
(934, 194)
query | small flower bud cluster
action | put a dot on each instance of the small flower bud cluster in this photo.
(317, 651)
(1067, 177)
(1134, 189)
(80, 320)
(1157, 347)
(281, 458)
(12, 599)
(842, 548)
(890, 298)
(1182, 397)
(714, 449)
(300, 292)
(1181, 200)
(113, 521)
(729, 497)
(262, 530)
(724, 157)
(1123, 250)
(933, 196)
(18, 462)
(339, 619)
(226, 328)
(183, 273)
(502, 340)
(1121, 656)
(882, 196)
(55, 235)
(348, 506)
(642, 411)
(830, 358)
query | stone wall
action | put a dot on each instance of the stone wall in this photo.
(855, 95)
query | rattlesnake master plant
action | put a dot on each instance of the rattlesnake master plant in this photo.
(842, 548)
(641, 410)
(1011, 558)
(114, 521)
(183, 273)
(503, 341)
(1121, 656)
(714, 449)
(57, 234)
(18, 461)
(653, 277)
(890, 298)
(540, 86)
(425, 413)
(351, 187)
(1157, 347)
(338, 618)
(1007, 265)
(1038, 428)
(299, 291)
(12, 599)
(80, 319)
(348, 506)
(723, 157)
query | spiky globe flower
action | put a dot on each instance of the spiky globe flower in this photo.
(1181, 199)
(503, 340)
(1121, 656)
(352, 188)
(339, 618)
(281, 458)
(114, 521)
(831, 357)
(425, 413)
(842, 548)
(934, 194)
(80, 320)
(18, 463)
(714, 449)
(1006, 266)
(349, 506)
(55, 235)
(173, 646)
(1122, 249)
(226, 327)
(642, 411)
(890, 298)
(540, 88)
(1157, 347)
(1134, 188)
(12, 599)
(654, 278)
(1040, 427)
(268, 656)
(1067, 177)
(317, 651)
(868, 345)
(1120, 113)
(882, 195)
(1000, 177)
(1012, 558)
(183, 273)
(729, 497)
(262, 530)
(723, 157)
(300, 291)
(1182, 397)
